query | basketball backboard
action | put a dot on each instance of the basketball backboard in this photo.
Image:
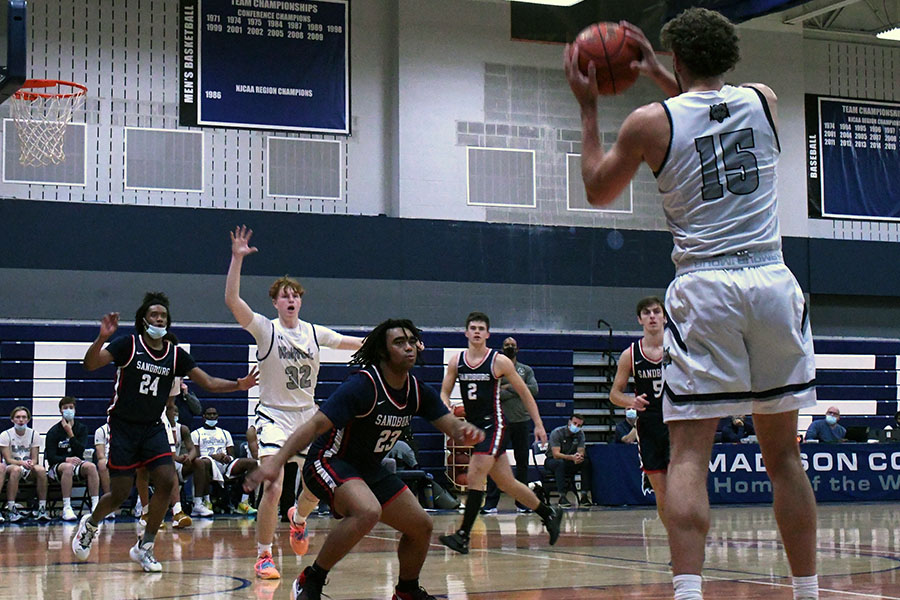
(13, 37)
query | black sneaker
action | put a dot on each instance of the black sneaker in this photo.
(564, 501)
(554, 524)
(307, 587)
(419, 594)
(456, 542)
(585, 501)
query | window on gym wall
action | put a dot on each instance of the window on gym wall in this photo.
(500, 177)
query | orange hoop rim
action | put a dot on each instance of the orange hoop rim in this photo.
(26, 93)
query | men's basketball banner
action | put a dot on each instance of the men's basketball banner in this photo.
(265, 64)
(838, 473)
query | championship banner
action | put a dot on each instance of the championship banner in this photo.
(853, 164)
(838, 473)
(265, 64)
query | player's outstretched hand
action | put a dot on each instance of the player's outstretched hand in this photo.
(468, 435)
(267, 471)
(240, 242)
(583, 86)
(540, 434)
(249, 380)
(108, 324)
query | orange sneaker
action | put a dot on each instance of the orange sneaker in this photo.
(299, 537)
(265, 567)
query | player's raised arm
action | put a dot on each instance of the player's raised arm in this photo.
(240, 247)
(617, 393)
(505, 368)
(649, 64)
(97, 356)
(449, 380)
(217, 385)
(301, 438)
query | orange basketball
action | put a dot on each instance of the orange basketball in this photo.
(461, 458)
(612, 53)
(462, 479)
(459, 411)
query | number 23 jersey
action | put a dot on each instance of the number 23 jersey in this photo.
(144, 377)
(289, 361)
(369, 417)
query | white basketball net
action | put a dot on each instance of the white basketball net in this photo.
(41, 120)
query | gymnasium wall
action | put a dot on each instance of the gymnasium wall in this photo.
(431, 80)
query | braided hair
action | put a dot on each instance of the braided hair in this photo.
(374, 347)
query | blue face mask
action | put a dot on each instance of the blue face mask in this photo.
(630, 413)
(153, 331)
(574, 428)
(831, 419)
(20, 428)
(68, 414)
(211, 422)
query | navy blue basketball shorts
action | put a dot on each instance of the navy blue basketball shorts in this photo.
(133, 445)
(494, 442)
(323, 476)
(653, 443)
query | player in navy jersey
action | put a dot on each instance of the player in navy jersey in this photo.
(738, 340)
(148, 362)
(353, 430)
(643, 361)
(479, 370)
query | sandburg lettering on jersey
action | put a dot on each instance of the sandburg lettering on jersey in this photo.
(474, 376)
(392, 420)
(152, 368)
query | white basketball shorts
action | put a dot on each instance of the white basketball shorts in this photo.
(738, 342)
(275, 426)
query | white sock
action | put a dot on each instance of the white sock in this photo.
(687, 587)
(94, 501)
(262, 548)
(198, 500)
(10, 504)
(206, 499)
(42, 505)
(298, 518)
(176, 508)
(67, 503)
(806, 588)
(245, 498)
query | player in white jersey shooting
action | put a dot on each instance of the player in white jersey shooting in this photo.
(288, 355)
(738, 338)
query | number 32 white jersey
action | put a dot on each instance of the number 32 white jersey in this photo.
(718, 178)
(289, 361)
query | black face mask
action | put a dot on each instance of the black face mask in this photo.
(509, 351)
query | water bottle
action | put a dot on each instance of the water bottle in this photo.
(429, 496)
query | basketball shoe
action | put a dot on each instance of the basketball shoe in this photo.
(84, 538)
(307, 586)
(299, 536)
(419, 594)
(554, 523)
(245, 509)
(265, 567)
(181, 520)
(456, 541)
(143, 555)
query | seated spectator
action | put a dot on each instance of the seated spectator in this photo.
(626, 431)
(64, 453)
(19, 446)
(734, 429)
(186, 402)
(827, 430)
(216, 462)
(2, 480)
(567, 457)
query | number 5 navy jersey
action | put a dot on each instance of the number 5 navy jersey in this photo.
(480, 390)
(718, 177)
(647, 378)
(144, 377)
(369, 417)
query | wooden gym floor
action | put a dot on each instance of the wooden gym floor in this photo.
(603, 553)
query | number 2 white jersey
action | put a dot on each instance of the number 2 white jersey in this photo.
(289, 361)
(718, 178)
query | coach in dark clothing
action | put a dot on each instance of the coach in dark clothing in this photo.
(518, 424)
(64, 453)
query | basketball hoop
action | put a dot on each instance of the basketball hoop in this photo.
(41, 118)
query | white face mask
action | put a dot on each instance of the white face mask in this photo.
(20, 428)
(630, 413)
(153, 331)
